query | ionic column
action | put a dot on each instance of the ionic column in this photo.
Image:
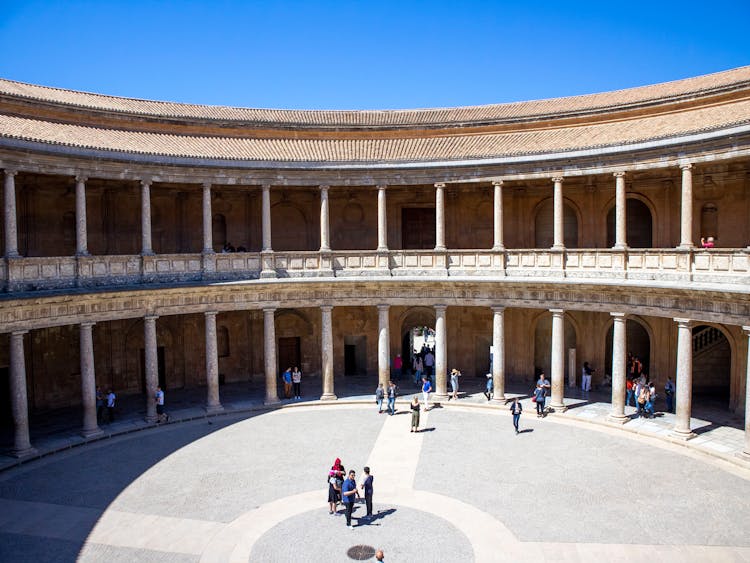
(212, 364)
(439, 216)
(686, 207)
(146, 248)
(441, 363)
(88, 381)
(325, 242)
(266, 218)
(684, 380)
(619, 374)
(746, 450)
(382, 220)
(269, 356)
(621, 236)
(498, 214)
(326, 349)
(384, 345)
(82, 247)
(19, 400)
(558, 359)
(152, 366)
(208, 243)
(498, 356)
(11, 229)
(559, 240)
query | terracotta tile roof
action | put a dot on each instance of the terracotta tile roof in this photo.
(660, 93)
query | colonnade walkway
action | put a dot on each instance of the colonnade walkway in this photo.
(718, 431)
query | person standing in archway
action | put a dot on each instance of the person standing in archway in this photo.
(429, 362)
(398, 364)
(426, 388)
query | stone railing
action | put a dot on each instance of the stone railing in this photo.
(717, 266)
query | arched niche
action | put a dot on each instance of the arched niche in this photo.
(544, 225)
(640, 224)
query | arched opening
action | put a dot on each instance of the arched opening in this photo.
(418, 341)
(712, 364)
(219, 231)
(709, 221)
(289, 229)
(638, 345)
(544, 225)
(639, 228)
(543, 346)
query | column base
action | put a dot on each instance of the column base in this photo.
(618, 418)
(744, 456)
(265, 274)
(501, 400)
(439, 397)
(271, 401)
(557, 248)
(620, 247)
(682, 434)
(558, 408)
(213, 409)
(151, 418)
(328, 397)
(92, 432)
(686, 247)
(25, 452)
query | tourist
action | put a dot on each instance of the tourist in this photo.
(429, 362)
(379, 555)
(489, 387)
(455, 374)
(516, 408)
(99, 405)
(650, 404)
(586, 372)
(348, 491)
(398, 364)
(707, 242)
(379, 396)
(391, 398)
(287, 379)
(418, 367)
(111, 398)
(629, 392)
(426, 388)
(643, 398)
(669, 394)
(367, 488)
(334, 491)
(297, 382)
(414, 414)
(540, 394)
(161, 416)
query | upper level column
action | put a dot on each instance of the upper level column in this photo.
(498, 244)
(686, 207)
(439, 216)
(208, 243)
(559, 240)
(11, 229)
(558, 359)
(146, 217)
(266, 218)
(82, 247)
(382, 220)
(621, 241)
(325, 242)
(684, 379)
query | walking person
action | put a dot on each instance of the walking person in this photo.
(540, 394)
(516, 408)
(414, 413)
(669, 394)
(398, 365)
(348, 491)
(426, 388)
(391, 398)
(367, 488)
(111, 399)
(586, 372)
(379, 396)
(429, 362)
(418, 367)
(455, 374)
(297, 382)
(489, 387)
(160, 414)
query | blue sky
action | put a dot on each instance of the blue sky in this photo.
(366, 55)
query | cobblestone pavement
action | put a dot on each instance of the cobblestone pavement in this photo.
(250, 486)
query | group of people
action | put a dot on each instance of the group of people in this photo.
(292, 380)
(643, 394)
(105, 406)
(342, 489)
(423, 364)
(229, 248)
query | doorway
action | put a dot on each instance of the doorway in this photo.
(418, 228)
(355, 355)
(289, 353)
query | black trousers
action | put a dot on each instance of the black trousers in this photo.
(368, 502)
(349, 507)
(297, 392)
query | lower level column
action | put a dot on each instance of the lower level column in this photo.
(152, 366)
(384, 346)
(619, 360)
(326, 349)
(212, 365)
(558, 360)
(498, 354)
(746, 450)
(684, 380)
(269, 356)
(88, 382)
(441, 363)
(19, 400)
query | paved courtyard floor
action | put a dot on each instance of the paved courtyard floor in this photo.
(250, 486)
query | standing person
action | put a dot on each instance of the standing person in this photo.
(429, 362)
(426, 388)
(111, 398)
(367, 488)
(379, 396)
(391, 398)
(418, 368)
(586, 372)
(99, 405)
(669, 394)
(516, 408)
(334, 491)
(643, 399)
(489, 387)
(297, 382)
(287, 378)
(348, 491)
(540, 394)
(628, 392)
(455, 374)
(398, 364)
(414, 414)
(161, 415)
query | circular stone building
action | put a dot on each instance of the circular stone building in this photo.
(552, 232)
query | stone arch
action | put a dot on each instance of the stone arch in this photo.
(289, 227)
(638, 210)
(544, 223)
(542, 335)
(296, 340)
(713, 364)
(638, 331)
(410, 319)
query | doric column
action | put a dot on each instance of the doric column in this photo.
(146, 247)
(11, 229)
(686, 207)
(212, 364)
(558, 359)
(269, 356)
(439, 216)
(19, 401)
(266, 218)
(559, 240)
(384, 345)
(152, 365)
(82, 246)
(326, 353)
(441, 363)
(382, 220)
(619, 359)
(88, 381)
(621, 236)
(746, 450)
(498, 215)
(498, 356)
(325, 241)
(684, 380)
(208, 243)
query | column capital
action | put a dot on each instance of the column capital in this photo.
(265, 187)
(81, 177)
(269, 310)
(146, 182)
(498, 308)
(19, 332)
(440, 308)
(746, 330)
(326, 308)
(211, 313)
(87, 324)
(497, 183)
(11, 171)
(620, 174)
(619, 315)
(557, 311)
(323, 187)
(557, 179)
(439, 185)
(383, 307)
(684, 322)
(150, 317)
(382, 187)
(686, 166)
(207, 185)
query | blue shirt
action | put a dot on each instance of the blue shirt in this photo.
(426, 387)
(349, 485)
(287, 377)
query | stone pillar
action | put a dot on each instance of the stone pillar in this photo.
(88, 381)
(498, 245)
(384, 345)
(621, 230)
(152, 365)
(146, 248)
(208, 243)
(686, 208)
(212, 365)
(325, 242)
(619, 368)
(498, 357)
(746, 450)
(326, 353)
(269, 356)
(684, 380)
(557, 376)
(19, 401)
(441, 363)
(11, 229)
(439, 216)
(266, 218)
(382, 220)
(82, 246)
(559, 230)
